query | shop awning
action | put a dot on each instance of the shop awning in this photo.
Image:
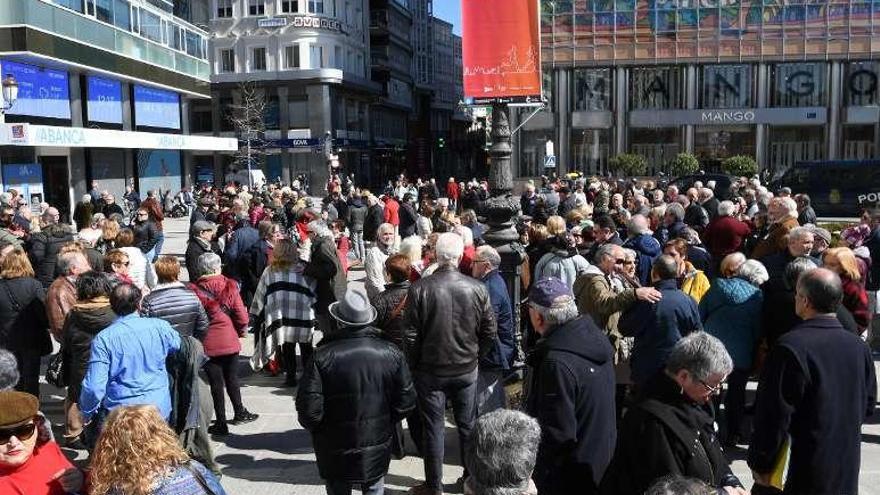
(82, 137)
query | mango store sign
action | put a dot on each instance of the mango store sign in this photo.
(78, 137)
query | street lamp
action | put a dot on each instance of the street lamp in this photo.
(10, 92)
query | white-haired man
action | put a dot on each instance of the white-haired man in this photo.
(571, 393)
(374, 260)
(449, 324)
(782, 214)
(640, 239)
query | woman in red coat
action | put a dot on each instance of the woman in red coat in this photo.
(843, 262)
(229, 318)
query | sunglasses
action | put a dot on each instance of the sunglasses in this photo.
(619, 261)
(23, 433)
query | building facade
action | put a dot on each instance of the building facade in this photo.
(310, 61)
(781, 82)
(104, 91)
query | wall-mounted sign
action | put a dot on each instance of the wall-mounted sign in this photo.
(772, 116)
(272, 22)
(155, 107)
(41, 92)
(84, 137)
(309, 21)
(105, 100)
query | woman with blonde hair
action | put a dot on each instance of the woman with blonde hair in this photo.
(691, 281)
(842, 261)
(24, 326)
(138, 454)
(109, 232)
(555, 226)
(282, 311)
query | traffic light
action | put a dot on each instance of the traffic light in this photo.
(441, 143)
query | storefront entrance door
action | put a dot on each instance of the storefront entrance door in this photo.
(56, 184)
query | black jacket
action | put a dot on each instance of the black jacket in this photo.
(146, 235)
(178, 306)
(194, 249)
(24, 326)
(390, 306)
(44, 249)
(408, 217)
(696, 217)
(83, 322)
(356, 387)
(666, 434)
(325, 267)
(817, 387)
(357, 214)
(375, 217)
(572, 396)
(449, 323)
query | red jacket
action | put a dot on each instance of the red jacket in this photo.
(452, 190)
(391, 208)
(229, 318)
(855, 299)
(724, 235)
(343, 246)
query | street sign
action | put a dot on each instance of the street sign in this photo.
(550, 161)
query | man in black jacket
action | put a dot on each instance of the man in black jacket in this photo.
(444, 351)
(375, 218)
(46, 244)
(571, 393)
(355, 389)
(817, 387)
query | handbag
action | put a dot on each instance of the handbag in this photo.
(55, 370)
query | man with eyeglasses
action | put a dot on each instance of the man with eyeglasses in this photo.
(816, 389)
(658, 326)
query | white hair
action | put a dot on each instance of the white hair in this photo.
(726, 208)
(489, 255)
(209, 264)
(449, 249)
(701, 354)
(411, 247)
(467, 235)
(319, 228)
(790, 204)
(753, 272)
(638, 225)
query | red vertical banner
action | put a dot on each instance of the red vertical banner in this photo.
(501, 50)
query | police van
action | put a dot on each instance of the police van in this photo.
(837, 188)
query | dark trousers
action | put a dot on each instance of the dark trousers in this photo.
(288, 355)
(433, 391)
(336, 487)
(223, 371)
(735, 401)
(29, 372)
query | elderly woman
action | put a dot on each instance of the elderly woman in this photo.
(228, 322)
(671, 428)
(171, 301)
(843, 262)
(501, 453)
(691, 281)
(731, 311)
(281, 312)
(411, 247)
(30, 462)
(374, 262)
(138, 454)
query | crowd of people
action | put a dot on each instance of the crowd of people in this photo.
(646, 313)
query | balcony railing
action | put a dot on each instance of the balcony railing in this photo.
(62, 22)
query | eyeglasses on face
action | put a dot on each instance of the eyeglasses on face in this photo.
(619, 261)
(23, 432)
(712, 390)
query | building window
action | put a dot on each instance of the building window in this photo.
(151, 26)
(259, 57)
(317, 56)
(122, 15)
(290, 6)
(227, 60)
(592, 92)
(256, 7)
(291, 56)
(656, 88)
(224, 8)
(726, 86)
(104, 10)
(337, 58)
(798, 85)
(316, 6)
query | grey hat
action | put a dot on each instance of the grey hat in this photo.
(354, 309)
(201, 226)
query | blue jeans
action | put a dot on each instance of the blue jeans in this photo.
(337, 487)
(357, 244)
(157, 249)
(433, 392)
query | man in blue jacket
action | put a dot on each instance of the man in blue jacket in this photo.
(494, 365)
(658, 326)
(639, 240)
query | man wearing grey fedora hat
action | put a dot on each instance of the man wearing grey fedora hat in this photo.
(351, 395)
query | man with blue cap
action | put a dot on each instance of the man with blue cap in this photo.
(571, 393)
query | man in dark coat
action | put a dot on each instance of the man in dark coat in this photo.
(324, 266)
(647, 247)
(694, 214)
(375, 218)
(46, 244)
(408, 217)
(354, 391)
(817, 387)
(571, 393)
(658, 326)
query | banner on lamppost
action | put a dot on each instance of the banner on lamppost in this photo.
(501, 51)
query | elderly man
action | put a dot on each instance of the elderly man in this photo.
(46, 245)
(782, 214)
(324, 266)
(493, 366)
(127, 363)
(709, 202)
(725, 233)
(694, 214)
(374, 261)
(673, 224)
(110, 207)
(816, 389)
(571, 393)
(353, 392)
(658, 326)
(502, 453)
(449, 325)
(798, 242)
(61, 295)
(604, 232)
(640, 240)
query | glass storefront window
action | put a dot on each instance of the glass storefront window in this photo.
(798, 85)
(712, 144)
(589, 150)
(532, 150)
(860, 87)
(789, 145)
(592, 89)
(547, 88)
(726, 86)
(657, 145)
(656, 88)
(858, 142)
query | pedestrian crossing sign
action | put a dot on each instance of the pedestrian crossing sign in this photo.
(550, 161)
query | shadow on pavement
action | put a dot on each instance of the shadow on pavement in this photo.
(296, 441)
(246, 467)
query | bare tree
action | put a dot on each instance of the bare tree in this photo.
(247, 118)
